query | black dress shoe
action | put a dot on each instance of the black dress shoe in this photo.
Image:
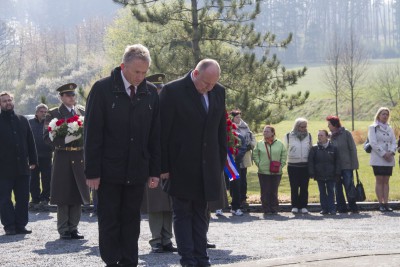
(169, 248)
(23, 231)
(65, 235)
(157, 248)
(211, 245)
(76, 235)
(10, 232)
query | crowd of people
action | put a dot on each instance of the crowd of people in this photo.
(142, 146)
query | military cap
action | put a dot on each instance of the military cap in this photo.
(156, 78)
(69, 87)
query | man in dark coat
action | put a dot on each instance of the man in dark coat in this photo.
(45, 153)
(122, 152)
(17, 158)
(68, 189)
(193, 140)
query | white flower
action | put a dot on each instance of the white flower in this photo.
(73, 127)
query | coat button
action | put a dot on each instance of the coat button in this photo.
(73, 162)
(128, 182)
(131, 139)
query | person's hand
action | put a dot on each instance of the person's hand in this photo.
(153, 182)
(93, 183)
(164, 175)
(388, 156)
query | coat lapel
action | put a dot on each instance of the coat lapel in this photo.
(194, 94)
(64, 112)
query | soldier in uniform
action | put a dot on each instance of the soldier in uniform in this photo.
(158, 204)
(68, 189)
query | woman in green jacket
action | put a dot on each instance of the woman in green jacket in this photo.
(267, 150)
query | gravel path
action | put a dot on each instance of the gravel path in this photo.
(251, 237)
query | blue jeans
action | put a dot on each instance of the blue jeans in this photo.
(327, 195)
(14, 217)
(346, 180)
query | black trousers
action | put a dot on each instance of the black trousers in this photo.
(299, 179)
(14, 217)
(234, 191)
(243, 184)
(42, 173)
(119, 222)
(190, 227)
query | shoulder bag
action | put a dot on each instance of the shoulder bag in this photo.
(274, 166)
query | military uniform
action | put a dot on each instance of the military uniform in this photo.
(68, 189)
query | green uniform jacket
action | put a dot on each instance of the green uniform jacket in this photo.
(68, 182)
(260, 157)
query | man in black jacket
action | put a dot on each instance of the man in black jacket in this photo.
(45, 152)
(17, 158)
(193, 145)
(122, 152)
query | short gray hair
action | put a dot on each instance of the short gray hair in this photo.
(136, 51)
(41, 105)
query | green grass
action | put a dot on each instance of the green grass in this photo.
(365, 170)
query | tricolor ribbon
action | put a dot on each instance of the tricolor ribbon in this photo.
(230, 167)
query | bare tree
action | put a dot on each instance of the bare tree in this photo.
(387, 83)
(355, 64)
(333, 74)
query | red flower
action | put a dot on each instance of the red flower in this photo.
(231, 150)
(228, 129)
(234, 126)
(79, 123)
(235, 134)
(229, 122)
(226, 115)
(236, 151)
(49, 129)
(59, 122)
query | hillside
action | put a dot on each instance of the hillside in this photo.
(322, 103)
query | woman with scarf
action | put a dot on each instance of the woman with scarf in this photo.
(269, 174)
(383, 142)
(347, 152)
(298, 144)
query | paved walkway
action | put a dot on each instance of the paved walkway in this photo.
(364, 259)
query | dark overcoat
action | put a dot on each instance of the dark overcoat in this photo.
(122, 136)
(68, 183)
(17, 145)
(193, 141)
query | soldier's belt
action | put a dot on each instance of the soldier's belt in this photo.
(70, 148)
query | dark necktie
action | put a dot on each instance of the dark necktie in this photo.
(203, 101)
(132, 95)
(73, 112)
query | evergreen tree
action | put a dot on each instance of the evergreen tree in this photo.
(181, 33)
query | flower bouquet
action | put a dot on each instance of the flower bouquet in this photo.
(70, 129)
(230, 168)
(232, 138)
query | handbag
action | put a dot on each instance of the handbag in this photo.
(367, 146)
(360, 193)
(274, 166)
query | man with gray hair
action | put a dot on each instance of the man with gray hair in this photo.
(42, 174)
(122, 152)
